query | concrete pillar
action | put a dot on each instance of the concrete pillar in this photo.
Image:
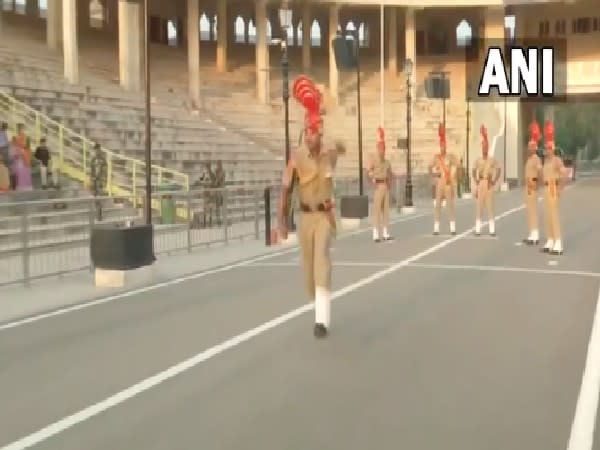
(54, 24)
(410, 45)
(70, 46)
(262, 52)
(193, 45)
(130, 51)
(222, 35)
(393, 41)
(306, 24)
(334, 20)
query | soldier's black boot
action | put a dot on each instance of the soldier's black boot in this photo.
(320, 330)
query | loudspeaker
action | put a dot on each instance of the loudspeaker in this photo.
(354, 207)
(436, 87)
(118, 248)
(345, 52)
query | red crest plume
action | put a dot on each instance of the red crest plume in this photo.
(549, 132)
(534, 132)
(307, 94)
(442, 135)
(484, 136)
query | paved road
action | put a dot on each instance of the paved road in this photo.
(437, 343)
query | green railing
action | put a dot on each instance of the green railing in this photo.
(125, 177)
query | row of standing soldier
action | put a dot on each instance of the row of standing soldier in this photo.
(310, 170)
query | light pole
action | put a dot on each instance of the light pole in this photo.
(148, 146)
(408, 67)
(285, 20)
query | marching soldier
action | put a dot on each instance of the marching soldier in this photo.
(533, 169)
(553, 171)
(485, 174)
(443, 169)
(312, 166)
(380, 172)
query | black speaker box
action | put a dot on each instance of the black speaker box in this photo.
(126, 248)
(354, 207)
(436, 87)
(345, 52)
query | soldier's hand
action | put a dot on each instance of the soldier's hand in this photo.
(283, 231)
(340, 148)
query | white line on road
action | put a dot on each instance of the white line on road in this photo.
(148, 383)
(193, 276)
(507, 269)
(582, 430)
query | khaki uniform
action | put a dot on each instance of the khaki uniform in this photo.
(317, 226)
(443, 169)
(380, 172)
(485, 173)
(533, 169)
(552, 174)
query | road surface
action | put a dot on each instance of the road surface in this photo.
(437, 342)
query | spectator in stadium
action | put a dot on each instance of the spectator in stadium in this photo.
(219, 185)
(208, 182)
(4, 144)
(42, 154)
(4, 177)
(21, 164)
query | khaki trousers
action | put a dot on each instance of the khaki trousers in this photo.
(314, 234)
(531, 202)
(381, 206)
(552, 224)
(447, 191)
(485, 199)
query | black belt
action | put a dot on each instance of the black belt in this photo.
(547, 182)
(321, 207)
(380, 180)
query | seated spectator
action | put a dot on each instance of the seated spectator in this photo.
(21, 166)
(4, 144)
(42, 154)
(4, 177)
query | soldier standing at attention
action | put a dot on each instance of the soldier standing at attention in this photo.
(485, 174)
(312, 166)
(533, 169)
(380, 172)
(553, 170)
(443, 169)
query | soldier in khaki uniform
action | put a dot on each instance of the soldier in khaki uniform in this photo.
(380, 173)
(533, 170)
(443, 169)
(553, 171)
(485, 175)
(312, 166)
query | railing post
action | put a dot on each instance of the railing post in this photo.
(13, 114)
(134, 183)
(25, 244)
(61, 147)
(91, 205)
(267, 198)
(225, 214)
(38, 127)
(109, 175)
(256, 196)
(188, 199)
(84, 163)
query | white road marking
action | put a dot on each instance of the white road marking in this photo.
(507, 269)
(553, 262)
(518, 244)
(193, 276)
(155, 380)
(584, 422)
(296, 263)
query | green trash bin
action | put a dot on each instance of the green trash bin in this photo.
(167, 209)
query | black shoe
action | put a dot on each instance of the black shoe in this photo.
(377, 240)
(556, 252)
(477, 234)
(453, 233)
(492, 234)
(545, 250)
(320, 330)
(436, 233)
(389, 238)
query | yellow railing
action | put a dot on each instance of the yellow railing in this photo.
(125, 177)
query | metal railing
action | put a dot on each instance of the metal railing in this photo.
(74, 151)
(52, 237)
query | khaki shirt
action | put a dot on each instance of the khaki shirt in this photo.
(380, 168)
(553, 167)
(315, 176)
(533, 167)
(444, 166)
(485, 168)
